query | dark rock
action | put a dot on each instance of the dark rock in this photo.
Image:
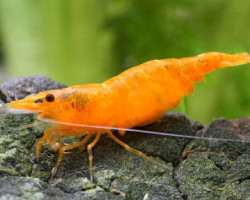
(217, 169)
(21, 87)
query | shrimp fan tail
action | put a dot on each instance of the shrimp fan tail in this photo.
(215, 60)
(196, 67)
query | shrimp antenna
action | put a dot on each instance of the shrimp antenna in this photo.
(5, 93)
(16, 97)
(31, 125)
(144, 131)
(5, 114)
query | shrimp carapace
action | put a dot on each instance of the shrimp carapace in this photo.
(136, 97)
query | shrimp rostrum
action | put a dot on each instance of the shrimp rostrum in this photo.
(136, 97)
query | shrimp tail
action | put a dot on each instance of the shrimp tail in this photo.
(202, 64)
(184, 72)
(220, 60)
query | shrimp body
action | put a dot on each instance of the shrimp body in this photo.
(136, 97)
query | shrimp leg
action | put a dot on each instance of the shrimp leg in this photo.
(50, 140)
(47, 132)
(65, 148)
(89, 147)
(128, 148)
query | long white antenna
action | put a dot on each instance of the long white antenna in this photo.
(144, 131)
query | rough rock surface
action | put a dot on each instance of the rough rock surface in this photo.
(20, 87)
(195, 169)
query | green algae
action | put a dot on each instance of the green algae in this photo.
(213, 169)
(15, 146)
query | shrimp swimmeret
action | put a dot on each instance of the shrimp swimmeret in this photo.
(136, 97)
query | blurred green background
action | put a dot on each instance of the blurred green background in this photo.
(82, 41)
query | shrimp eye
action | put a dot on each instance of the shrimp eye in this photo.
(38, 101)
(50, 98)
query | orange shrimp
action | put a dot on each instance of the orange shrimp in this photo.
(136, 97)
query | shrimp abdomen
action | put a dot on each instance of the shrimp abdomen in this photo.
(148, 90)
